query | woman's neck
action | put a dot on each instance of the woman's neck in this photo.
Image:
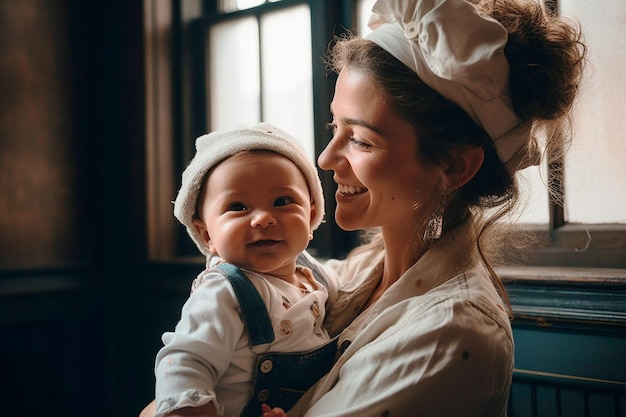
(400, 254)
(402, 251)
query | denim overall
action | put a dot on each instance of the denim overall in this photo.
(280, 379)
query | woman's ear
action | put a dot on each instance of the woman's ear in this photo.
(204, 234)
(464, 164)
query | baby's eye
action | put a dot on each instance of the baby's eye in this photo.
(236, 207)
(282, 201)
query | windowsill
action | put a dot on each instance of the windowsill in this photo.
(546, 296)
(571, 275)
(578, 246)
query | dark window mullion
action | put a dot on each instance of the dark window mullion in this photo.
(556, 168)
(261, 88)
(328, 18)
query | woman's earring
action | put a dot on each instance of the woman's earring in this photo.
(435, 225)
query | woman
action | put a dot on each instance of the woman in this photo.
(433, 115)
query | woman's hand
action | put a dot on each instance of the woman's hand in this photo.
(203, 410)
(149, 410)
(269, 412)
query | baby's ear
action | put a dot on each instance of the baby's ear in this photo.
(204, 234)
(201, 229)
(313, 214)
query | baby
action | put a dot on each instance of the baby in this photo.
(251, 331)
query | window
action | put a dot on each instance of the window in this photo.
(589, 228)
(256, 73)
(246, 61)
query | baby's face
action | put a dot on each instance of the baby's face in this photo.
(256, 212)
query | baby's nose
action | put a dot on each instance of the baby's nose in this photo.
(263, 218)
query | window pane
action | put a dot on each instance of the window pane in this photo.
(227, 6)
(595, 177)
(287, 72)
(363, 12)
(234, 86)
(533, 205)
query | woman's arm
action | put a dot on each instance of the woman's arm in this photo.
(150, 409)
(207, 410)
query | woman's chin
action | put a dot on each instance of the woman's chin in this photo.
(347, 222)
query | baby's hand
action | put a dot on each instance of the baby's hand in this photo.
(272, 412)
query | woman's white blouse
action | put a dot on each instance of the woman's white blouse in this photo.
(437, 343)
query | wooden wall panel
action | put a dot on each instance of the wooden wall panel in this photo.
(42, 212)
(52, 355)
(50, 321)
(72, 206)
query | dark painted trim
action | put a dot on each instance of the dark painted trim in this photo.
(575, 295)
(568, 381)
(44, 281)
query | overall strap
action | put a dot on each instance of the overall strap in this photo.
(253, 310)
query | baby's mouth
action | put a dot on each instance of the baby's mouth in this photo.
(351, 189)
(267, 242)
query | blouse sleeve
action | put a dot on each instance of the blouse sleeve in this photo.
(445, 359)
(197, 353)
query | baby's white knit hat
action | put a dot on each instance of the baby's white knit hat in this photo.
(215, 147)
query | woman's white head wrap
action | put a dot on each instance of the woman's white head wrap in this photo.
(213, 148)
(458, 52)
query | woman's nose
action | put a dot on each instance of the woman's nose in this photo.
(263, 218)
(331, 157)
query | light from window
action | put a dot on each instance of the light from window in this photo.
(534, 205)
(595, 177)
(363, 12)
(287, 72)
(263, 75)
(234, 74)
(228, 6)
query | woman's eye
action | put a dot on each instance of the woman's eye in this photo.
(282, 201)
(354, 141)
(236, 207)
(359, 144)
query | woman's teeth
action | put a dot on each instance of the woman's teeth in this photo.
(351, 189)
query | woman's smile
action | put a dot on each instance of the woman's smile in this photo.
(350, 189)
